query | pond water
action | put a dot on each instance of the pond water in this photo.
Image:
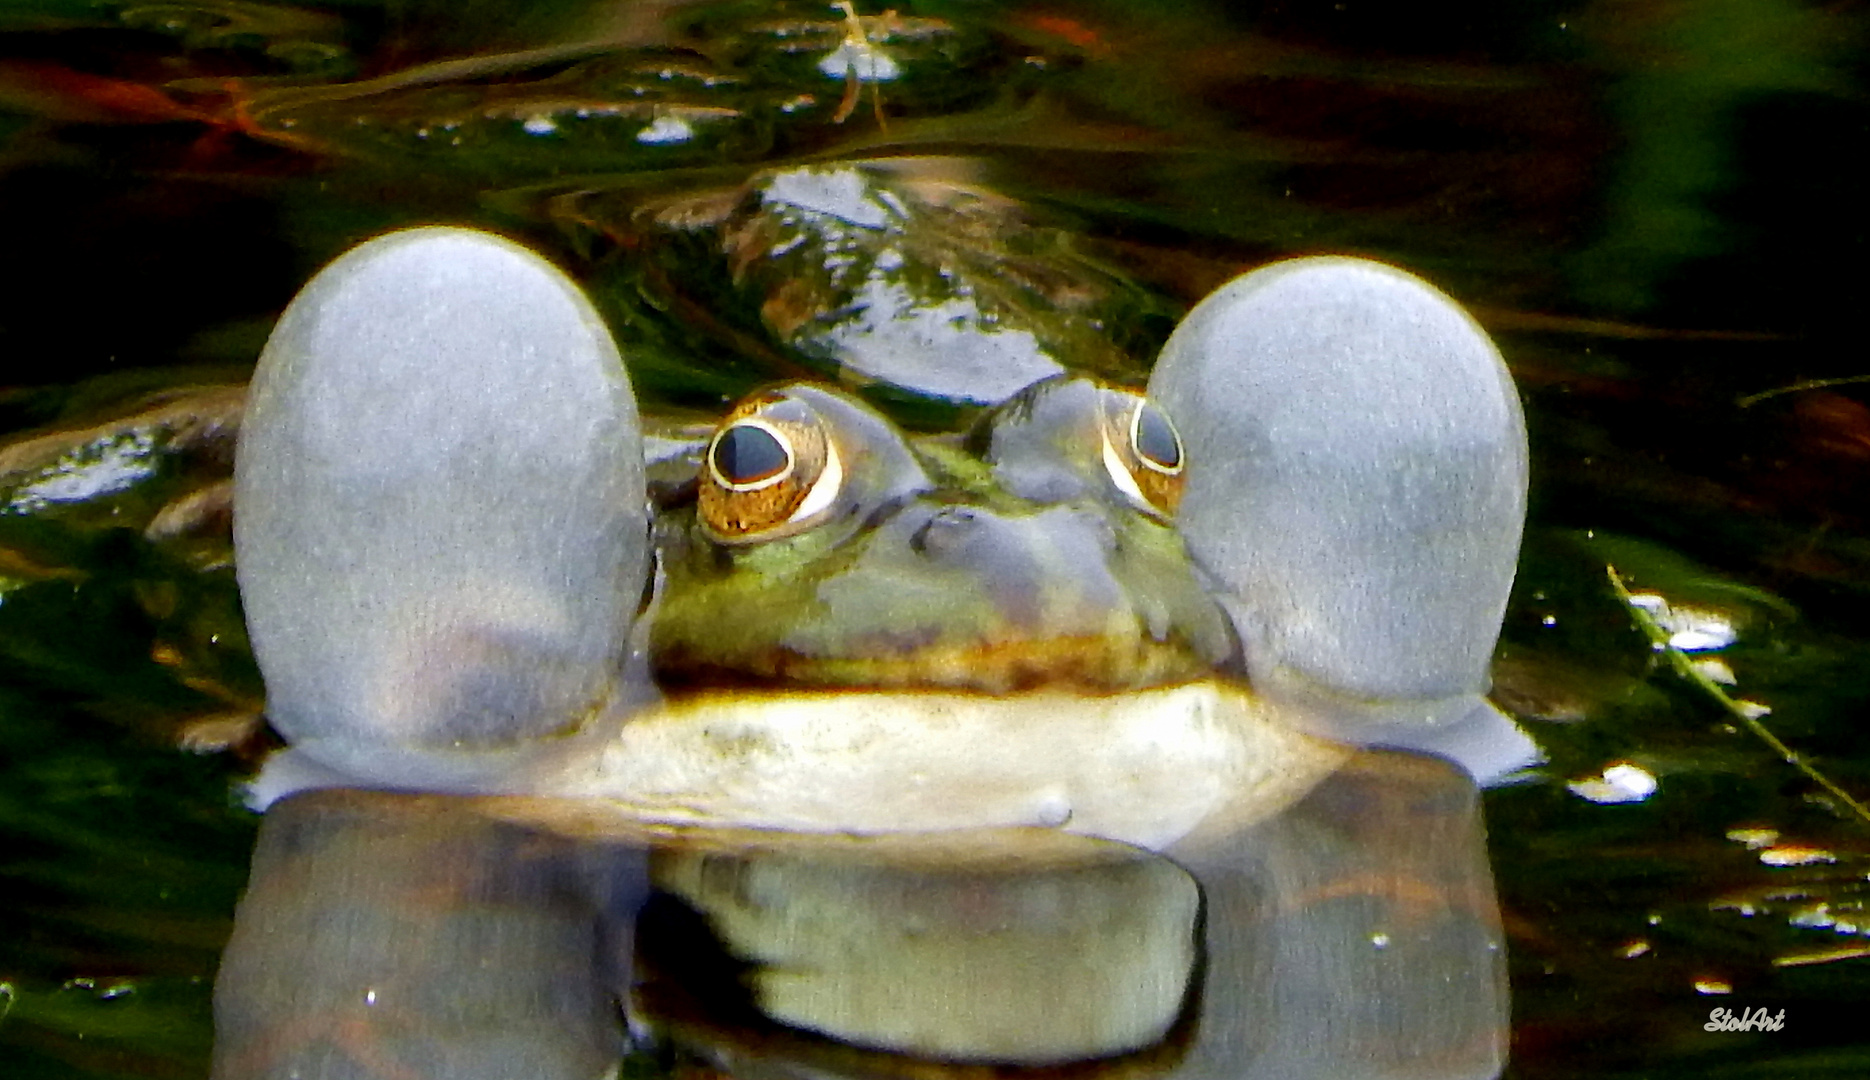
(1649, 205)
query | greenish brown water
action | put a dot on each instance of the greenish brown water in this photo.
(1651, 206)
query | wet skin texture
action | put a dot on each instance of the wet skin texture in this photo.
(1026, 553)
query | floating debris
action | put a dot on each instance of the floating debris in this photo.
(1754, 838)
(1795, 855)
(664, 130)
(1619, 783)
(1690, 629)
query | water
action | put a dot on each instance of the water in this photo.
(1651, 207)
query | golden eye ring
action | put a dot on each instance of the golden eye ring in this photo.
(771, 470)
(1142, 452)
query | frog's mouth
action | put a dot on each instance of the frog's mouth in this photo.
(1088, 664)
(1145, 768)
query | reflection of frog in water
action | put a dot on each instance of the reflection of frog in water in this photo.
(394, 935)
(856, 631)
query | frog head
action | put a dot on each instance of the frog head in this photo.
(1121, 614)
(824, 548)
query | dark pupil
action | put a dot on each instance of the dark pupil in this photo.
(1155, 439)
(744, 454)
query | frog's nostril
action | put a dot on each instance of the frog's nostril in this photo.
(946, 531)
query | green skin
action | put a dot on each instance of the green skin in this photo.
(1002, 561)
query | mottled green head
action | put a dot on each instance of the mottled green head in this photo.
(825, 548)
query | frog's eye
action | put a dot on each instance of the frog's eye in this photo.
(1142, 451)
(769, 471)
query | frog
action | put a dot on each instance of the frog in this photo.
(1131, 614)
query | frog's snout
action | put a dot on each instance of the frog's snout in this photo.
(965, 535)
(1005, 599)
(1046, 573)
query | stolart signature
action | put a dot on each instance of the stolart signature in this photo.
(1748, 1020)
